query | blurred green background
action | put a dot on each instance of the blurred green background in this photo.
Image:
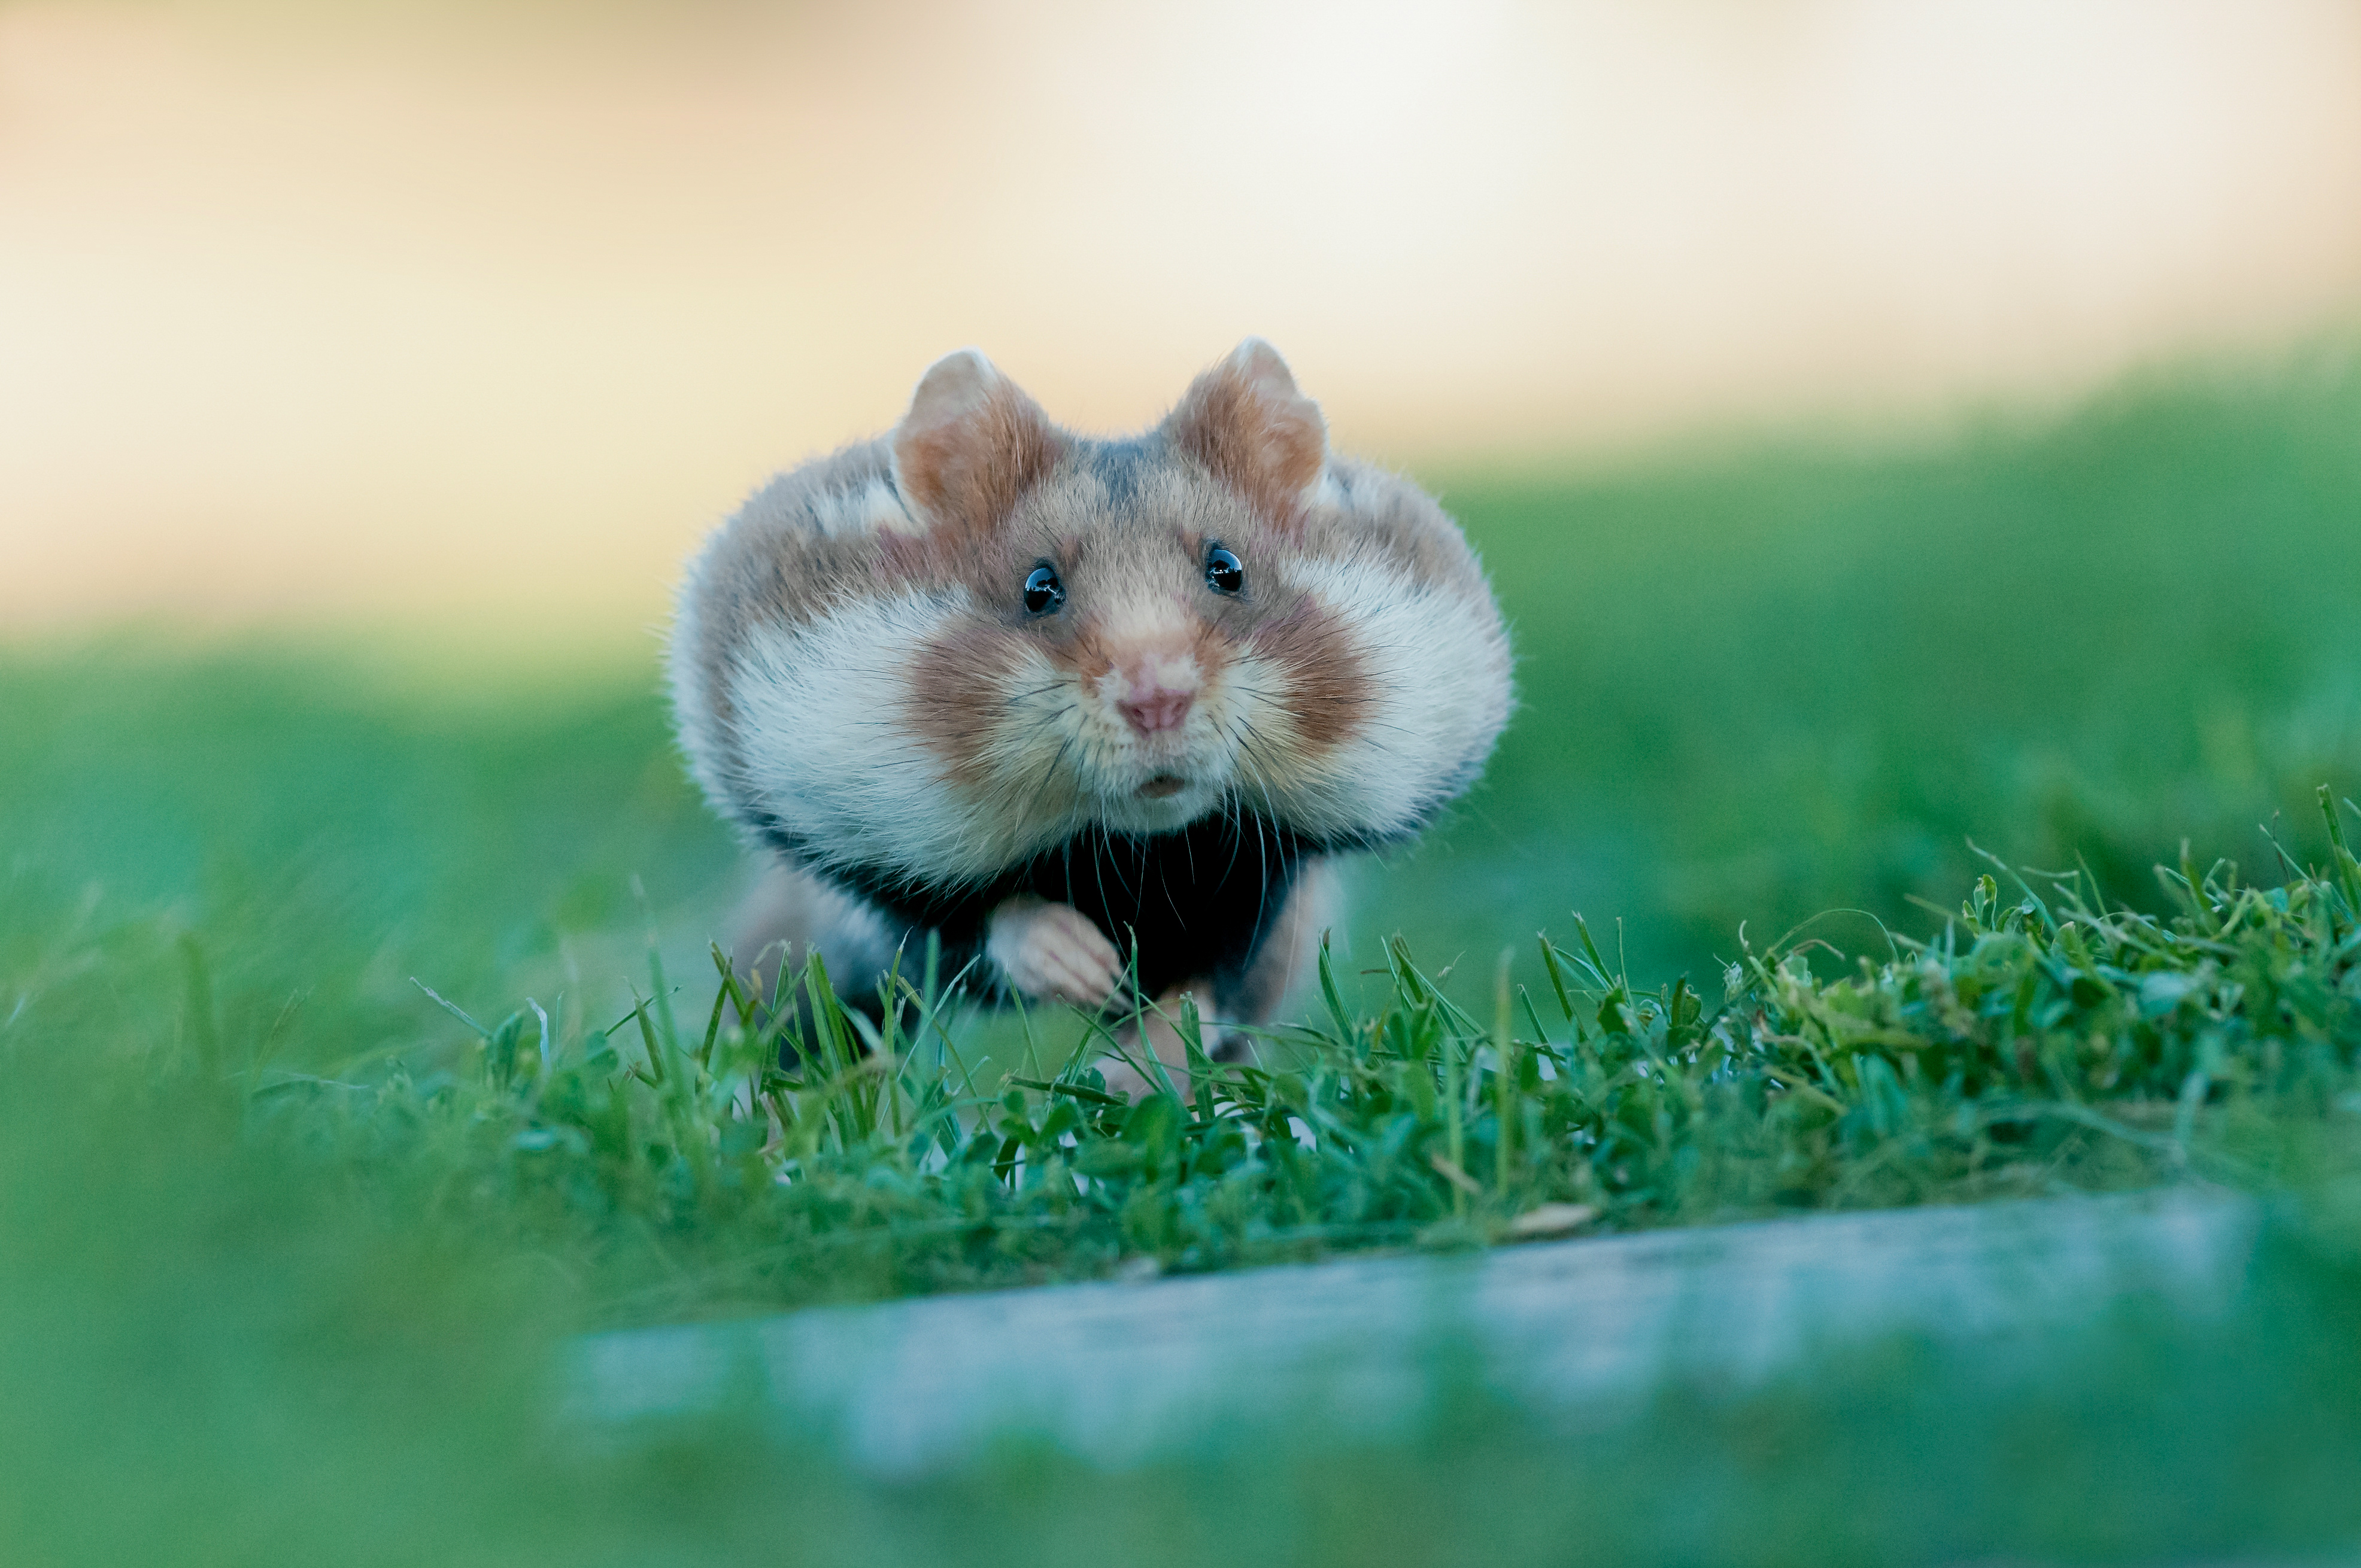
(1760, 687)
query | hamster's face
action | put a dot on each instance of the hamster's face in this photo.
(1002, 636)
(1135, 656)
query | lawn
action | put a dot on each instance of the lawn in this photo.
(283, 1243)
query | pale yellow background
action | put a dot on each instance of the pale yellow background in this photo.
(394, 312)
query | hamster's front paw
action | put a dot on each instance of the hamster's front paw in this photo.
(1052, 950)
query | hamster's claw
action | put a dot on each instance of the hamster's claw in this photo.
(1052, 951)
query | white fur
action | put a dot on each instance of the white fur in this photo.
(692, 705)
(871, 507)
(826, 744)
(865, 508)
(1437, 668)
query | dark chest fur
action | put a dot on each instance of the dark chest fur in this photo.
(1199, 902)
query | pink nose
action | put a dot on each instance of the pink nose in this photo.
(1155, 708)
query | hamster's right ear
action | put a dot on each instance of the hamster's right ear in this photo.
(971, 445)
(1245, 421)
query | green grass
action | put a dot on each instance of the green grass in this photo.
(283, 1244)
(2045, 1042)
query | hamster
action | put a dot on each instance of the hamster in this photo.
(1078, 704)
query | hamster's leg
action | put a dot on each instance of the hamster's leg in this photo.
(1289, 954)
(1289, 957)
(1053, 951)
(1132, 1082)
(791, 912)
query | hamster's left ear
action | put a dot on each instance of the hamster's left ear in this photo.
(1253, 431)
(971, 444)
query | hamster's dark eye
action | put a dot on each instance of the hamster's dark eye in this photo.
(1224, 572)
(1043, 592)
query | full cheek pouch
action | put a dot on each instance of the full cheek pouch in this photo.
(1311, 669)
(963, 685)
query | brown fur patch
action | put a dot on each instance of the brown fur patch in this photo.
(957, 686)
(1327, 684)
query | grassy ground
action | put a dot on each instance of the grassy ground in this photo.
(281, 1241)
